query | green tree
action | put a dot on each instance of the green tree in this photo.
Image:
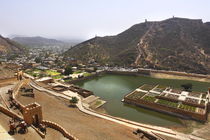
(38, 60)
(68, 70)
(95, 69)
(73, 101)
(187, 87)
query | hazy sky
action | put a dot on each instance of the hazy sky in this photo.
(86, 18)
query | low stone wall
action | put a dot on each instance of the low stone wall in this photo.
(168, 110)
(10, 113)
(38, 131)
(15, 92)
(123, 73)
(60, 129)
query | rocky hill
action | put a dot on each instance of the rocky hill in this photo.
(8, 46)
(173, 44)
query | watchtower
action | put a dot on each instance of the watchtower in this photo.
(32, 114)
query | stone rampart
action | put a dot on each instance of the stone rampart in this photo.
(60, 129)
(10, 113)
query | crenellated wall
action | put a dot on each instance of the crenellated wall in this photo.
(30, 111)
(60, 129)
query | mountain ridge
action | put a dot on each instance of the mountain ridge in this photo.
(173, 44)
(8, 46)
(37, 41)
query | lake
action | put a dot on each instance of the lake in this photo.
(112, 88)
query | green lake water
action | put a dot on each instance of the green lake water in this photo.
(112, 88)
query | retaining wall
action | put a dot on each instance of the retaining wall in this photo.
(123, 73)
(168, 110)
(10, 113)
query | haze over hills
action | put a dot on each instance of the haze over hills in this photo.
(38, 41)
(8, 46)
(173, 44)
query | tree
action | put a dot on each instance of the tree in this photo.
(187, 87)
(38, 60)
(68, 70)
(95, 69)
(73, 101)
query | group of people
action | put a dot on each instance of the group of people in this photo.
(15, 124)
(43, 128)
(23, 127)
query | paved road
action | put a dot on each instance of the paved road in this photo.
(135, 125)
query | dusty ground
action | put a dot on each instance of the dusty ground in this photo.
(84, 127)
(195, 128)
(6, 71)
(5, 82)
(203, 132)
